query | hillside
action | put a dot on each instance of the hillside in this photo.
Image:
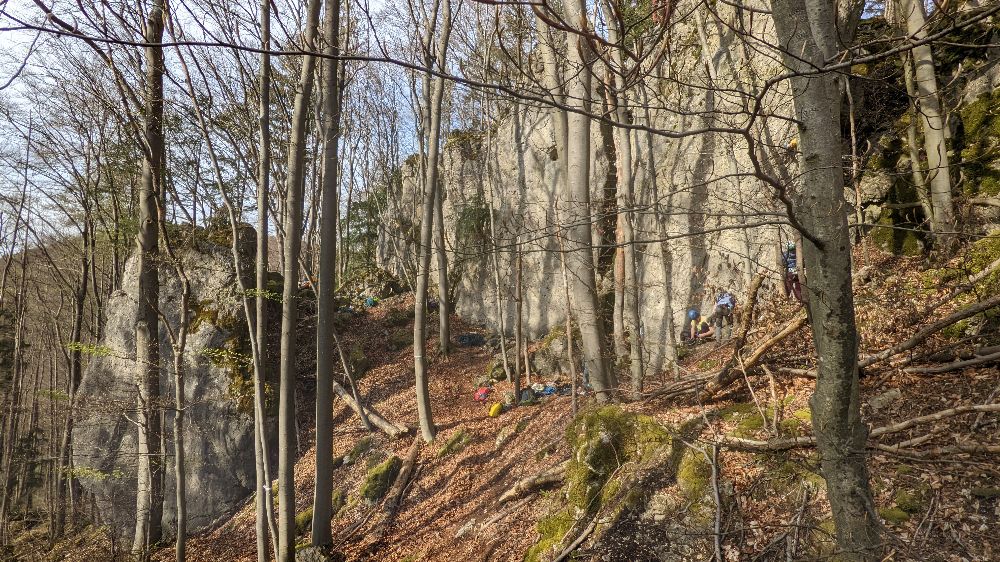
(937, 503)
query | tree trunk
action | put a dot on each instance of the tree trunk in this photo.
(580, 261)
(628, 301)
(916, 174)
(932, 122)
(444, 307)
(287, 437)
(427, 428)
(327, 306)
(149, 494)
(840, 433)
(263, 500)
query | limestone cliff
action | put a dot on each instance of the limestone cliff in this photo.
(703, 220)
(219, 432)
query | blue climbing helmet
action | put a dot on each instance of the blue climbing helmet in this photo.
(693, 314)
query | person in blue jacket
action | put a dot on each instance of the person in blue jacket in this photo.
(789, 258)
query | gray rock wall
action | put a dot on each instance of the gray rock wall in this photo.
(219, 431)
(689, 205)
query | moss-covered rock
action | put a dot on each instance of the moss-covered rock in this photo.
(380, 479)
(897, 236)
(551, 530)
(455, 443)
(400, 339)
(360, 448)
(399, 317)
(303, 521)
(693, 475)
(602, 440)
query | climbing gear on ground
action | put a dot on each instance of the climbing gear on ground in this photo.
(482, 394)
(496, 409)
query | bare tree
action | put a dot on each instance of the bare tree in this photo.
(819, 205)
(289, 298)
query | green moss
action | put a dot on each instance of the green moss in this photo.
(380, 479)
(805, 414)
(359, 362)
(736, 411)
(458, 440)
(603, 439)
(750, 424)
(400, 339)
(359, 449)
(337, 501)
(978, 144)
(790, 425)
(957, 330)
(399, 317)
(203, 311)
(303, 521)
(910, 501)
(693, 475)
(551, 529)
(986, 492)
(707, 364)
(897, 236)
(894, 515)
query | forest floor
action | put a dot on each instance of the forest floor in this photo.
(935, 504)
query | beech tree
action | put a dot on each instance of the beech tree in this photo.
(819, 205)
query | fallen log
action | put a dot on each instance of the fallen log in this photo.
(954, 366)
(390, 428)
(398, 490)
(527, 485)
(725, 378)
(743, 444)
(931, 329)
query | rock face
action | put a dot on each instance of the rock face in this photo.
(703, 222)
(219, 423)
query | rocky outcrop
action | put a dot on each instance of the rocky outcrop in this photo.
(219, 423)
(703, 220)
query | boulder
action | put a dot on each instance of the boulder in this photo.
(218, 433)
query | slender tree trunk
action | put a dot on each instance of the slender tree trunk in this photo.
(628, 300)
(932, 121)
(916, 174)
(444, 306)
(75, 375)
(580, 260)
(819, 204)
(149, 495)
(287, 437)
(431, 188)
(263, 500)
(325, 338)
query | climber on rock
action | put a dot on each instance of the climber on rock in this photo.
(789, 258)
